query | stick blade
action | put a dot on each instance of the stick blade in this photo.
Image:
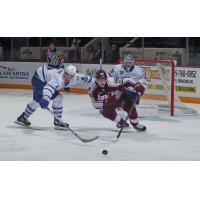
(90, 140)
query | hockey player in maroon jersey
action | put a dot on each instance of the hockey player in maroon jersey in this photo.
(108, 96)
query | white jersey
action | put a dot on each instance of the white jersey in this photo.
(53, 78)
(119, 73)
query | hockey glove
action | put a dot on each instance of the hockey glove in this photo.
(43, 103)
(139, 88)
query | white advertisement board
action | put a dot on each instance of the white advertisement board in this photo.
(17, 72)
(186, 79)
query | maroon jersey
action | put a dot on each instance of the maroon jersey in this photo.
(110, 94)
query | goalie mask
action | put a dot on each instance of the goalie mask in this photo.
(129, 63)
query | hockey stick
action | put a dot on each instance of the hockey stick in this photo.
(100, 62)
(73, 132)
(132, 107)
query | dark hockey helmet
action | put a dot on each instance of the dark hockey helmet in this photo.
(101, 74)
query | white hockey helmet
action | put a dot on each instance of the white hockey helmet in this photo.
(129, 63)
(70, 69)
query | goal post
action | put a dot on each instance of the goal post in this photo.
(160, 75)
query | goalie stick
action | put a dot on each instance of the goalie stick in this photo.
(73, 132)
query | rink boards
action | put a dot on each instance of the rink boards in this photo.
(18, 75)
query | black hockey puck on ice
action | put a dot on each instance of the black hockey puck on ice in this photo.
(104, 152)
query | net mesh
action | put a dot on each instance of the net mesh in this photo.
(160, 88)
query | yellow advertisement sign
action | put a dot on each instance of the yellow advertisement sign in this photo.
(185, 89)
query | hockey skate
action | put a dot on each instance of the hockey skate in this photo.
(60, 126)
(21, 120)
(139, 127)
(122, 123)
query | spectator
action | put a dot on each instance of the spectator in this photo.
(114, 54)
(98, 52)
(76, 42)
(90, 54)
(75, 53)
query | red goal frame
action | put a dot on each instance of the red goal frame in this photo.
(172, 64)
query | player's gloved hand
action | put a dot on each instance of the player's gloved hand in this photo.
(43, 103)
(139, 88)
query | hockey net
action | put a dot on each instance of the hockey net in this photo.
(160, 89)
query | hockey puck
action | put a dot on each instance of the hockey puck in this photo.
(104, 152)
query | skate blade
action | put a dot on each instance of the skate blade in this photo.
(61, 128)
(126, 127)
(141, 131)
(21, 124)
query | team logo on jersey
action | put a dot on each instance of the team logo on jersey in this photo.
(60, 71)
(111, 71)
(121, 72)
(82, 78)
(102, 97)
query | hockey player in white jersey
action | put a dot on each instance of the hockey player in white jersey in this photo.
(46, 82)
(128, 70)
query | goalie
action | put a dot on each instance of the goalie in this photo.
(108, 96)
(127, 70)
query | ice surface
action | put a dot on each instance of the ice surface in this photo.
(167, 138)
